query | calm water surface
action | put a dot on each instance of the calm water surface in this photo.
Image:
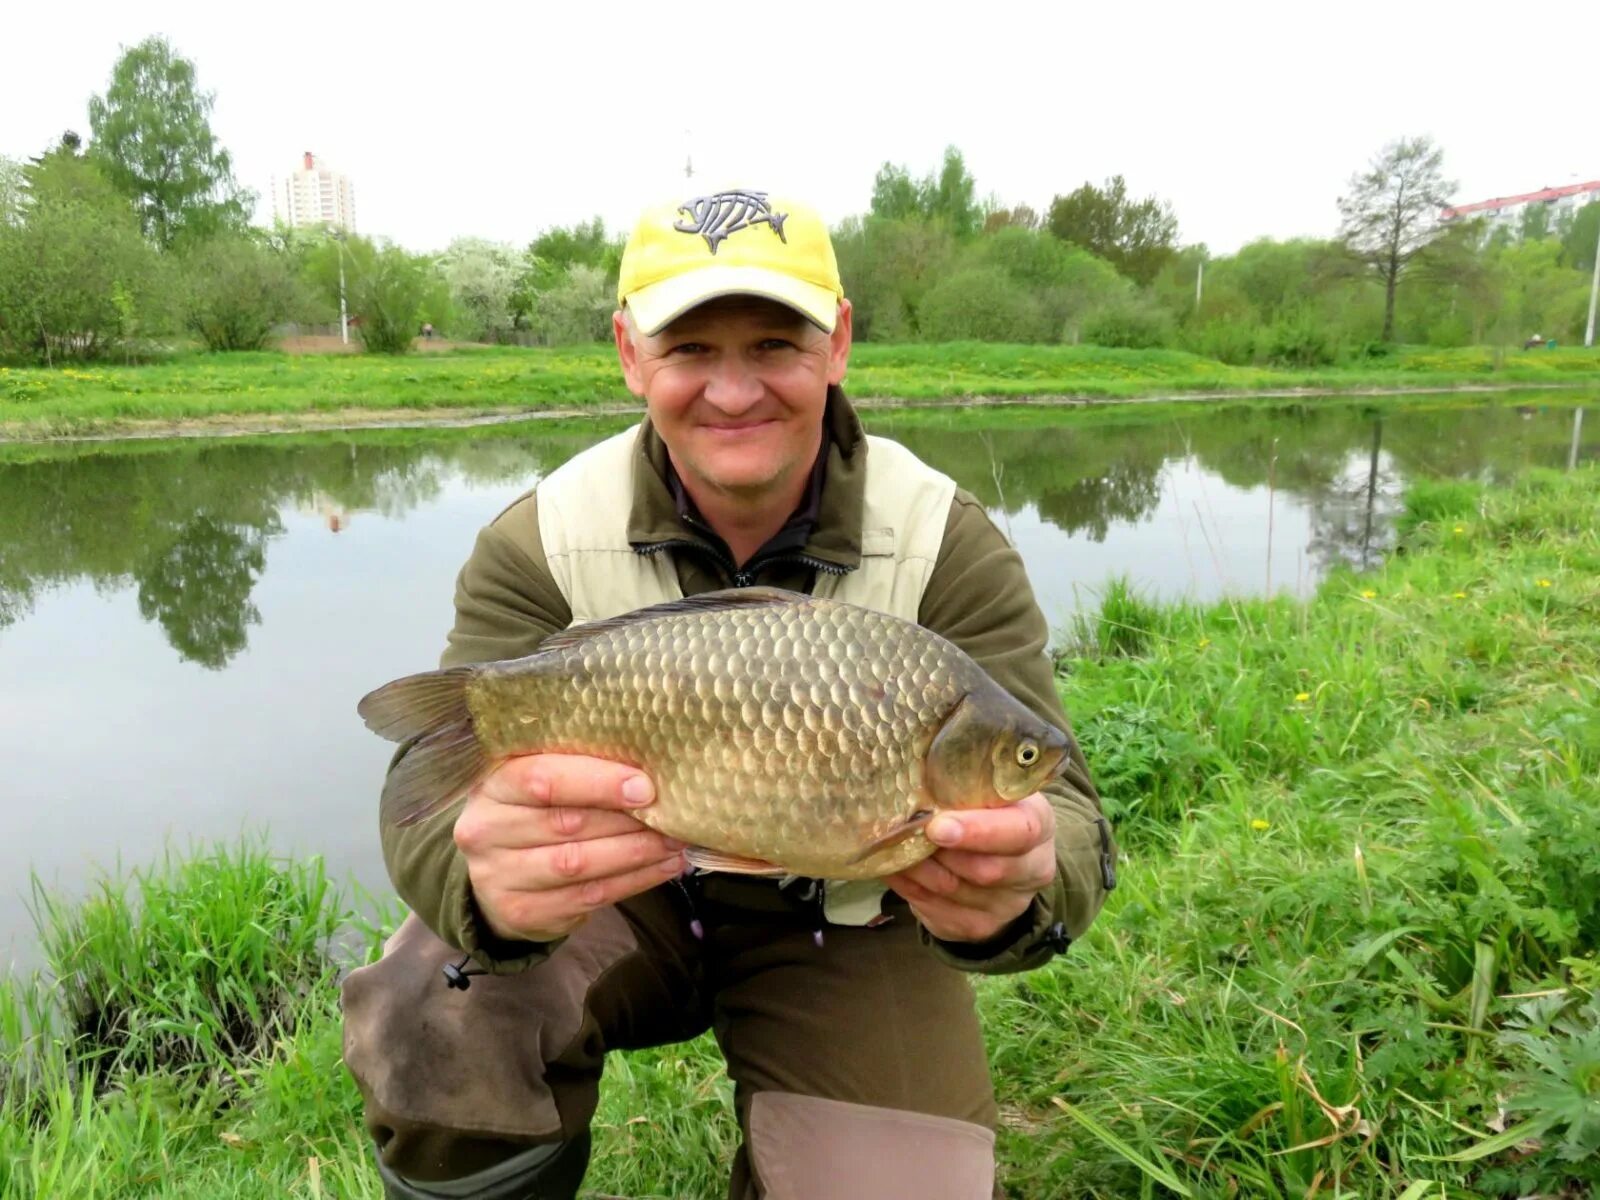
(185, 628)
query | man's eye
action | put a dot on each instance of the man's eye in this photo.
(687, 348)
(777, 344)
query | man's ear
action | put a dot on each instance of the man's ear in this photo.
(627, 353)
(839, 344)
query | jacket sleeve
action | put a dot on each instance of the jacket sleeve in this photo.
(979, 597)
(506, 604)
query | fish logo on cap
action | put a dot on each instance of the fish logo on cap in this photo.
(720, 214)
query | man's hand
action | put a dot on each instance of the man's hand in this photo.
(548, 839)
(991, 864)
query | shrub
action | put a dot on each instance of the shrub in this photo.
(234, 290)
(981, 304)
(1132, 324)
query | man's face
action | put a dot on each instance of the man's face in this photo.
(736, 388)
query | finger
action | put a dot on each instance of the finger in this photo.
(1014, 829)
(572, 780)
(547, 868)
(561, 910)
(519, 827)
(1031, 871)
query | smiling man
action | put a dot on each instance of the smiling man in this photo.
(842, 1009)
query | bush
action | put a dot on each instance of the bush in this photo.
(981, 304)
(578, 309)
(234, 291)
(1132, 324)
(388, 296)
(72, 277)
(1298, 339)
(1230, 340)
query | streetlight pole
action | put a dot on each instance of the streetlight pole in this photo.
(344, 318)
(1594, 293)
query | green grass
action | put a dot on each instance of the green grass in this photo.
(194, 386)
(1353, 951)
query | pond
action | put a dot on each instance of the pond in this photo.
(185, 627)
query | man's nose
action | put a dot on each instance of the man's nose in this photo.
(734, 385)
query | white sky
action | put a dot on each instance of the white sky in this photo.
(498, 120)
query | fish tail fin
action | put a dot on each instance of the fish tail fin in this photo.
(446, 758)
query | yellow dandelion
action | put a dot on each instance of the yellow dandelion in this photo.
(1458, 595)
(1302, 697)
(1203, 643)
(1369, 594)
(1461, 528)
(1544, 583)
(1260, 826)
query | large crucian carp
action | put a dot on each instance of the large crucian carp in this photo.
(785, 734)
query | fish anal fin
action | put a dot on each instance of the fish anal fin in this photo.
(732, 864)
(915, 823)
(750, 597)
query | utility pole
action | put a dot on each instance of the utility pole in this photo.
(1594, 292)
(1199, 278)
(344, 319)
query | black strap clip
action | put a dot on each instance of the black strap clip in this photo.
(1108, 864)
(459, 975)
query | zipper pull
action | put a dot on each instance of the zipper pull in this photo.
(743, 579)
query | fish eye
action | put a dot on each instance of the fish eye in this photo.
(1027, 754)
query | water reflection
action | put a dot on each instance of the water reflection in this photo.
(189, 527)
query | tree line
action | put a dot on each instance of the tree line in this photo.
(142, 234)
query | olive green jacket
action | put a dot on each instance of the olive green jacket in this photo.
(978, 597)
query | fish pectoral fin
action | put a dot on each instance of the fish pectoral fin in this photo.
(912, 824)
(733, 864)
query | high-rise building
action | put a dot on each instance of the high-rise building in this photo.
(1509, 210)
(316, 196)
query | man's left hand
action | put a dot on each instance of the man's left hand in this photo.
(990, 865)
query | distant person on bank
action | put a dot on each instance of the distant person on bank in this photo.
(842, 1008)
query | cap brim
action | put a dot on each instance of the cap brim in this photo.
(659, 304)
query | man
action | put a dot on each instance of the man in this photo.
(842, 1008)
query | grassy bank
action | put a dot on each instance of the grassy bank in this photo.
(1353, 953)
(307, 389)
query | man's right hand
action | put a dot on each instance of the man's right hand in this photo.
(548, 839)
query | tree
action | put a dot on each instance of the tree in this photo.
(11, 191)
(482, 276)
(1135, 236)
(74, 269)
(1020, 217)
(234, 290)
(952, 197)
(1582, 235)
(578, 309)
(1392, 211)
(152, 132)
(895, 195)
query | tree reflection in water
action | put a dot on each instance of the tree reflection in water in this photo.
(189, 525)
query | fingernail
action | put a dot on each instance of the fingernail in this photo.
(638, 790)
(539, 788)
(946, 831)
(674, 843)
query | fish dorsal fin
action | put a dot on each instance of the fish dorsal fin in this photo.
(728, 598)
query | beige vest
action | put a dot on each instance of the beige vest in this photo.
(583, 525)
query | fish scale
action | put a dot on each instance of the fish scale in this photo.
(787, 731)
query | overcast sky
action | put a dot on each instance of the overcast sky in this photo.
(499, 120)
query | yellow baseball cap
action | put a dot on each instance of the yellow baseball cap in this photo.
(731, 243)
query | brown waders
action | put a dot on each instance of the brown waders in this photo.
(858, 1065)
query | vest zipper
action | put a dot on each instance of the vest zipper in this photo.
(746, 576)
